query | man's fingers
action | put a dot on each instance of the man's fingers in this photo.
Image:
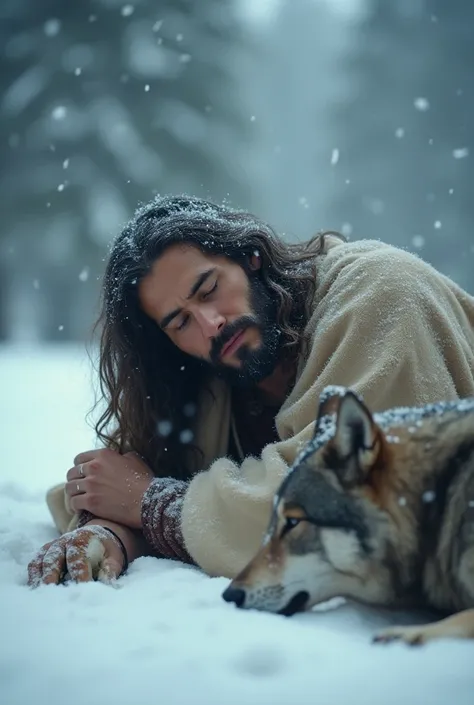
(78, 562)
(109, 570)
(85, 554)
(78, 472)
(75, 487)
(86, 456)
(54, 564)
(79, 503)
(35, 567)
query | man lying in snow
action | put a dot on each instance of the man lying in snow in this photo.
(217, 338)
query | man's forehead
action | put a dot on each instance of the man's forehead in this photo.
(180, 263)
(171, 277)
(183, 252)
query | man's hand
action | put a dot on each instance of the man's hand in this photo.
(89, 553)
(109, 485)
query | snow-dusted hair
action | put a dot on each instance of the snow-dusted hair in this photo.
(149, 385)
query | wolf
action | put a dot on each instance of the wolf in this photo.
(377, 508)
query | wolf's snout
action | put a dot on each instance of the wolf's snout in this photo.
(233, 594)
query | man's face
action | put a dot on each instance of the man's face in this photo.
(211, 309)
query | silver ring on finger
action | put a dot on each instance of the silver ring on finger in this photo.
(78, 487)
(81, 470)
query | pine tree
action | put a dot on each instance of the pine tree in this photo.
(104, 105)
(406, 132)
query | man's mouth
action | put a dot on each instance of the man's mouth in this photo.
(233, 344)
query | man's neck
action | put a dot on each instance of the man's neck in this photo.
(274, 388)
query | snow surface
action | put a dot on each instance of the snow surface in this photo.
(164, 634)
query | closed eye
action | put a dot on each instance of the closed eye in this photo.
(183, 323)
(211, 291)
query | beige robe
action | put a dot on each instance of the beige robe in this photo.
(384, 323)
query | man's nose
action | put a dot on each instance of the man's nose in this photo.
(210, 321)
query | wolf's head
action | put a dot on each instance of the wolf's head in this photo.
(328, 530)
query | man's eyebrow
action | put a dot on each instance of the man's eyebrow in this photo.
(200, 281)
(203, 277)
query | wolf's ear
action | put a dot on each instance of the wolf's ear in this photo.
(356, 441)
(329, 402)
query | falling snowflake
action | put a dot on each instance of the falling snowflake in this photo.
(59, 112)
(84, 274)
(334, 156)
(421, 104)
(437, 224)
(164, 428)
(418, 241)
(186, 436)
(461, 153)
(52, 27)
(127, 10)
(399, 132)
(189, 409)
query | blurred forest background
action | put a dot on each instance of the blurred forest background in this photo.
(355, 115)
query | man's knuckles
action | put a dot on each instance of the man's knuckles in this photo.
(81, 552)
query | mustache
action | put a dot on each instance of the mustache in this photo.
(229, 331)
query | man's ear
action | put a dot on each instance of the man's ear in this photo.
(357, 441)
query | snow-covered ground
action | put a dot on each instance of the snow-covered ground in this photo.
(164, 635)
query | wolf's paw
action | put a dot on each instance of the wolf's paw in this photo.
(413, 636)
(457, 626)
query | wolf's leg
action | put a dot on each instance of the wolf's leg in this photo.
(457, 626)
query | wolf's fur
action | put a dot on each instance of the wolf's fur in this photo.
(377, 508)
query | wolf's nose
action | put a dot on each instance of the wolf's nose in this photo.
(232, 594)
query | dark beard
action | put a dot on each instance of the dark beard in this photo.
(255, 364)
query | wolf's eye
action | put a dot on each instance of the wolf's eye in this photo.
(290, 524)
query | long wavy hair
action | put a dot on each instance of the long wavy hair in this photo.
(149, 386)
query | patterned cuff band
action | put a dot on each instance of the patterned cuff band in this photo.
(161, 518)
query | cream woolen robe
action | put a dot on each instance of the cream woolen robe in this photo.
(384, 323)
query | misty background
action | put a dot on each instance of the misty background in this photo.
(354, 115)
